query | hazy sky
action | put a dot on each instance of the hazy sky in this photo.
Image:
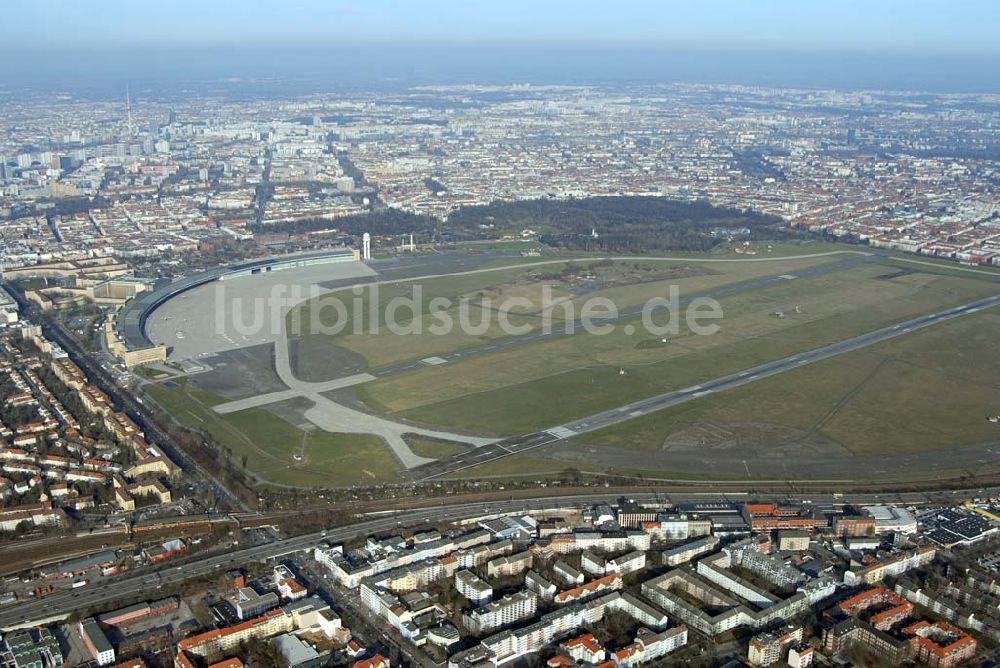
(921, 26)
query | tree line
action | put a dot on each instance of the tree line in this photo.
(621, 224)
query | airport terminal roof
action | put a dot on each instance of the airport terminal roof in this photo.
(131, 321)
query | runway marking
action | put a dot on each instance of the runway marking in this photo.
(635, 413)
(702, 393)
(561, 432)
(434, 361)
(788, 277)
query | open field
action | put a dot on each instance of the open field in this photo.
(337, 460)
(627, 283)
(928, 392)
(374, 341)
(829, 413)
(901, 411)
(544, 384)
(270, 444)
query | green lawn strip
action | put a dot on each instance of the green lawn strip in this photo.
(435, 449)
(384, 347)
(338, 460)
(922, 392)
(270, 442)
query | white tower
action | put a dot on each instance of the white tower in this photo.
(129, 128)
(412, 247)
(366, 246)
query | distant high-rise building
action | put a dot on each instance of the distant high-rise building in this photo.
(345, 184)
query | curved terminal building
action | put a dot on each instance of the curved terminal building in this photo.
(130, 323)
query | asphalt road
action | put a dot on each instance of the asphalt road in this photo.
(521, 444)
(58, 605)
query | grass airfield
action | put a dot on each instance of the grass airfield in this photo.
(544, 384)
(917, 397)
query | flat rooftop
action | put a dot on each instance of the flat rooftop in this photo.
(131, 321)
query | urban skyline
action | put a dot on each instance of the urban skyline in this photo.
(522, 335)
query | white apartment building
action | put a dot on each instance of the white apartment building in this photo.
(506, 611)
(474, 588)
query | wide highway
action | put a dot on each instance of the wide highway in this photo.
(101, 595)
(520, 444)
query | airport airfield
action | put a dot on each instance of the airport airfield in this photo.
(310, 408)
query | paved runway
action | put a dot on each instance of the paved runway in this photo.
(528, 442)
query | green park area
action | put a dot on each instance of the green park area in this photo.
(543, 384)
(528, 293)
(276, 451)
(923, 392)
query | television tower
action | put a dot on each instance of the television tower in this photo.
(129, 128)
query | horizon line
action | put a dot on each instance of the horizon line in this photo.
(551, 44)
